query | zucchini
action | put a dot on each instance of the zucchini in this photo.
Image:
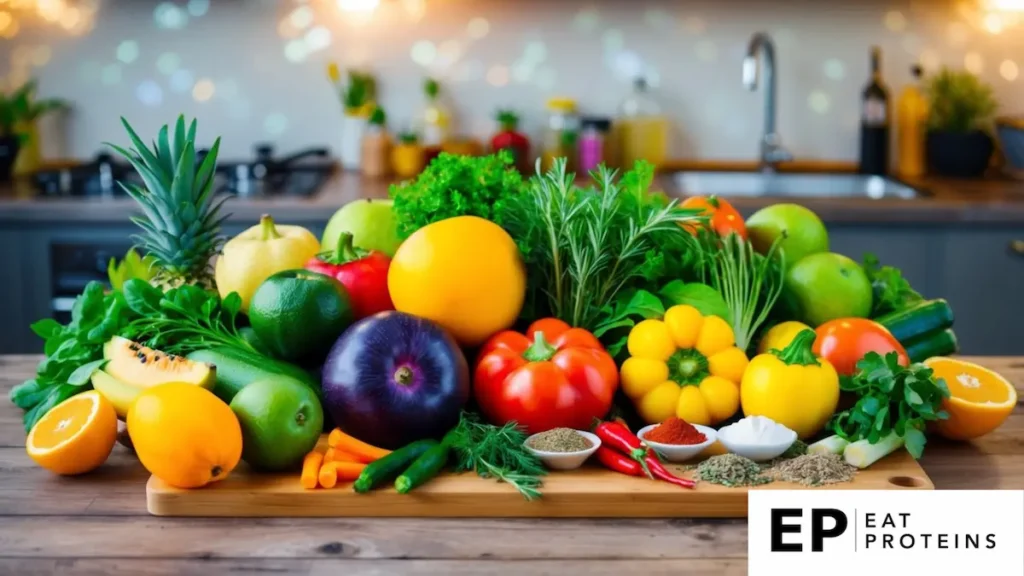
(236, 369)
(383, 470)
(428, 465)
(941, 343)
(925, 317)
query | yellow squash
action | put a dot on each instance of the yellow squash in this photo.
(685, 365)
(792, 387)
(260, 252)
(780, 335)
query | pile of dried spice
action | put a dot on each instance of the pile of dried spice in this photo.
(813, 470)
(675, 431)
(559, 440)
(732, 471)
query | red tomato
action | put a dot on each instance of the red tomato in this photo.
(723, 218)
(557, 377)
(844, 341)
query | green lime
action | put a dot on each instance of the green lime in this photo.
(281, 421)
(298, 314)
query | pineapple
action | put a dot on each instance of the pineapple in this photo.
(181, 220)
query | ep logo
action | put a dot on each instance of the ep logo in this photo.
(823, 523)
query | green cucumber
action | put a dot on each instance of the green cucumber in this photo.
(941, 343)
(383, 470)
(428, 465)
(925, 317)
(236, 369)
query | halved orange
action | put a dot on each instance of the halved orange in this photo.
(980, 400)
(75, 436)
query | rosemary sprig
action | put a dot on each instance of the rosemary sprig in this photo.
(496, 452)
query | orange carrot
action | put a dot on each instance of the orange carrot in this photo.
(331, 472)
(361, 450)
(311, 469)
(340, 456)
(329, 455)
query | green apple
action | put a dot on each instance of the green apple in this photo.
(826, 286)
(371, 223)
(802, 231)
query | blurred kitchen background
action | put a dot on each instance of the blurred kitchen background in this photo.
(255, 70)
(760, 101)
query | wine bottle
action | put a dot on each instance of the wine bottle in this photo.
(874, 121)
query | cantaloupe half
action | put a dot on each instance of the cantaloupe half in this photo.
(133, 368)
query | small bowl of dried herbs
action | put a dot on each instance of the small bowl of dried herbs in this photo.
(563, 448)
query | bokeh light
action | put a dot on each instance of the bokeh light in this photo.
(295, 50)
(974, 63)
(834, 69)
(275, 124)
(169, 16)
(128, 51)
(198, 8)
(203, 90)
(423, 52)
(182, 81)
(168, 63)
(586, 20)
(301, 18)
(149, 93)
(497, 76)
(895, 21)
(818, 102)
(41, 55)
(317, 39)
(478, 28)
(111, 75)
(1008, 70)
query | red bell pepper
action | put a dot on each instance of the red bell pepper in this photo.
(363, 273)
(551, 377)
(508, 138)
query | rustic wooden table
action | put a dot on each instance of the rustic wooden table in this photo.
(97, 524)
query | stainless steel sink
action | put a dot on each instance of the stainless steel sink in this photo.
(801, 185)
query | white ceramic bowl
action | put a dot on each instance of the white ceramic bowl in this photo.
(566, 460)
(771, 444)
(679, 452)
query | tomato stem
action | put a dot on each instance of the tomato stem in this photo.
(541, 350)
(800, 351)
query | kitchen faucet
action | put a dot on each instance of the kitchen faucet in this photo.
(772, 151)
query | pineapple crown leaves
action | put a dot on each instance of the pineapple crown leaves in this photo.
(182, 218)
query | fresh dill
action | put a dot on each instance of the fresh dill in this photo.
(496, 452)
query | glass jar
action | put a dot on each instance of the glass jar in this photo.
(593, 143)
(561, 133)
(642, 128)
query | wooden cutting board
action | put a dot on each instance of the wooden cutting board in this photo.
(589, 492)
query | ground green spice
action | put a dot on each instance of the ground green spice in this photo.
(814, 470)
(559, 440)
(799, 448)
(731, 470)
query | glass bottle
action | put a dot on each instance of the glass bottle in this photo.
(642, 128)
(911, 118)
(561, 133)
(874, 122)
(436, 120)
(593, 142)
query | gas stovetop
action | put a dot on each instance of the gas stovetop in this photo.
(298, 175)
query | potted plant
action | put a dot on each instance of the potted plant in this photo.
(358, 102)
(10, 141)
(408, 157)
(27, 111)
(376, 145)
(960, 112)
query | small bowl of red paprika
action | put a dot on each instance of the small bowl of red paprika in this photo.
(676, 440)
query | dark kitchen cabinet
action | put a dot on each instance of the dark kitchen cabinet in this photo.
(983, 280)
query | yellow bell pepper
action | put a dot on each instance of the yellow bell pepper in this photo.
(780, 335)
(792, 387)
(260, 252)
(685, 365)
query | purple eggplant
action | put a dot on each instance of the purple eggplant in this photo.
(393, 378)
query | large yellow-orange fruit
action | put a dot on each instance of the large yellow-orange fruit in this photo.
(464, 273)
(184, 435)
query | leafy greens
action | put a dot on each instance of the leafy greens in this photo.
(73, 352)
(595, 256)
(890, 290)
(455, 185)
(893, 399)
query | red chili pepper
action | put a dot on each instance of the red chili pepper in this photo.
(618, 437)
(618, 462)
(660, 472)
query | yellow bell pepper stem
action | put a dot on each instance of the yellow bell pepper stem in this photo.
(269, 231)
(800, 351)
(687, 367)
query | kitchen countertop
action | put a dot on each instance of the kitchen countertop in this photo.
(98, 524)
(948, 202)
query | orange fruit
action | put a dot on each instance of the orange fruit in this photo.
(75, 436)
(184, 435)
(980, 400)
